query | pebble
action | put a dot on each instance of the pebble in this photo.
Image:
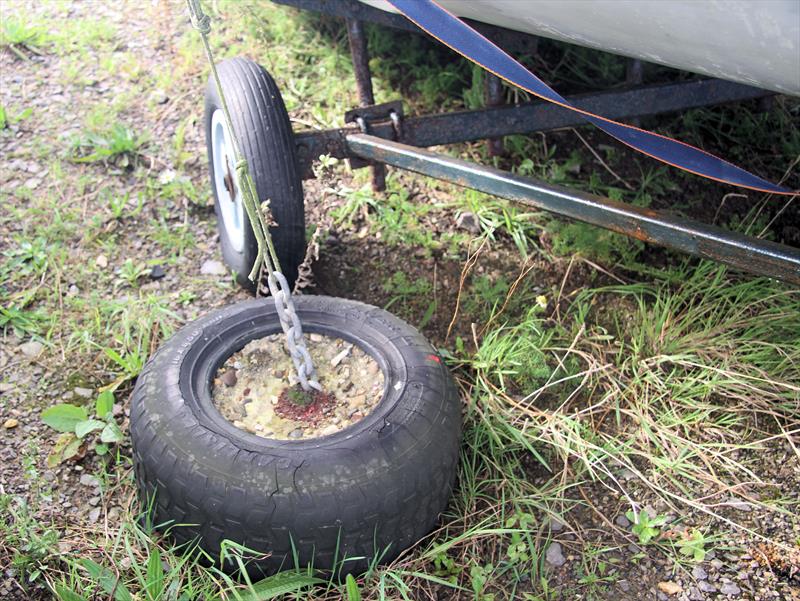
(31, 349)
(340, 356)
(555, 525)
(94, 515)
(327, 431)
(157, 272)
(706, 587)
(699, 573)
(730, 589)
(670, 588)
(555, 555)
(296, 433)
(211, 267)
(6, 387)
(695, 594)
(622, 521)
(85, 393)
(10, 423)
(468, 221)
(89, 480)
(229, 377)
(101, 261)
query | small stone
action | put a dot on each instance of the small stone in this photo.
(695, 594)
(85, 393)
(6, 387)
(296, 433)
(101, 261)
(699, 573)
(556, 525)
(10, 423)
(157, 272)
(114, 513)
(716, 563)
(340, 356)
(94, 515)
(706, 587)
(670, 588)
(555, 555)
(259, 428)
(468, 221)
(94, 501)
(624, 585)
(328, 430)
(213, 268)
(89, 480)
(73, 290)
(229, 378)
(31, 349)
(314, 337)
(622, 521)
(730, 589)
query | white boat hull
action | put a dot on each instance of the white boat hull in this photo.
(755, 42)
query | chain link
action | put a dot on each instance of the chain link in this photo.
(290, 322)
(266, 258)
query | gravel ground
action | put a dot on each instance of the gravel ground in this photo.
(250, 383)
(85, 499)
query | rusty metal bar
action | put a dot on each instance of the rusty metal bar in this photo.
(465, 126)
(360, 56)
(750, 254)
(494, 98)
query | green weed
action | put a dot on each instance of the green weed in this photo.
(117, 143)
(78, 429)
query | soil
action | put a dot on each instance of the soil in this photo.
(254, 388)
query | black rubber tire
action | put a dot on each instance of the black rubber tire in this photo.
(378, 484)
(262, 126)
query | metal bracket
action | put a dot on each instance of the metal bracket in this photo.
(375, 113)
(366, 116)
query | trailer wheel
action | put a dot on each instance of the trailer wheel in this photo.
(263, 129)
(368, 491)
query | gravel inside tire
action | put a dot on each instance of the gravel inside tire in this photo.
(368, 491)
(264, 131)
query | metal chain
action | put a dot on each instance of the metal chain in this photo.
(266, 257)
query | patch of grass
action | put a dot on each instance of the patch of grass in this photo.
(19, 35)
(118, 144)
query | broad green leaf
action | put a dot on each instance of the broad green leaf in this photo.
(353, 592)
(65, 594)
(101, 449)
(64, 417)
(106, 579)
(111, 433)
(155, 576)
(279, 584)
(72, 449)
(90, 425)
(56, 456)
(104, 403)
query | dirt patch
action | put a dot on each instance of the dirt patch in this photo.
(256, 388)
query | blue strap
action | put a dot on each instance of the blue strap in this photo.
(451, 31)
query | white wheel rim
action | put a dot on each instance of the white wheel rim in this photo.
(231, 210)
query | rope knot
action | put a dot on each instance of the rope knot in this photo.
(202, 24)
